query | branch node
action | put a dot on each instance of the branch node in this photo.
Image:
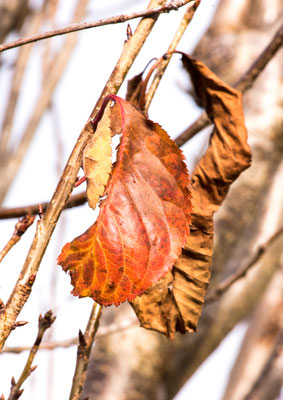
(40, 211)
(23, 224)
(31, 279)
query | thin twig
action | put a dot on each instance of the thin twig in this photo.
(43, 324)
(47, 224)
(243, 84)
(20, 228)
(103, 332)
(84, 349)
(173, 45)
(242, 271)
(174, 5)
(16, 212)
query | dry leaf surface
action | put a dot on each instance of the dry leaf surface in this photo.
(175, 302)
(134, 88)
(143, 222)
(97, 163)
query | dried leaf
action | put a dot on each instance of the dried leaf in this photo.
(134, 88)
(97, 163)
(143, 222)
(175, 302)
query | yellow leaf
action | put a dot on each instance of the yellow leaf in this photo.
(97, 163)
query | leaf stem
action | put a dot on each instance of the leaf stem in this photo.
(172, 47)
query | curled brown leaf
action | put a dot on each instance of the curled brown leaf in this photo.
(175, 302)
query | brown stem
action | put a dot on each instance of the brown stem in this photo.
(242, 271)
(21, 226)
(243, 84)
(145, 82)
(151, 12)
(84, 348)
(43, 324)
(47, 224)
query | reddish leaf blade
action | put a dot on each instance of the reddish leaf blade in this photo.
(144, 221)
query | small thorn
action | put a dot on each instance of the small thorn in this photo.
(19, 393)
(13, 381)
(82, 339)
(32, 369)
(2, 397)
(40, 211)
(129, 32)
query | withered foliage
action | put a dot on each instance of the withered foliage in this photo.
(175, 302)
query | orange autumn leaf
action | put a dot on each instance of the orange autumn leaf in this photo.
(144, 220)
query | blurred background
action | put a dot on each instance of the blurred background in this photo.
(48, 90)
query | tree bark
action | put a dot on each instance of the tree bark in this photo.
(258, 345)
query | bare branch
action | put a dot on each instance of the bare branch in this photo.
(173, 45)
(43, 324)
(21, 226)
(103, 332)
(243, 84)
(242, 271)
(84, 348)
(47, 224)
(173, 5)
(16, 212)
